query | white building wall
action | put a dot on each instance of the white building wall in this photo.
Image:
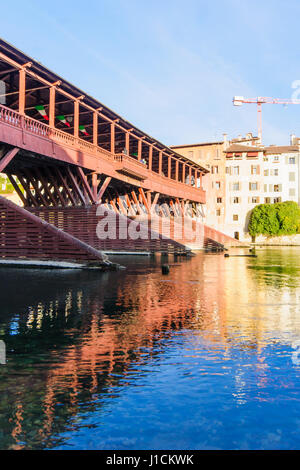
(276, 179)
(244, 186)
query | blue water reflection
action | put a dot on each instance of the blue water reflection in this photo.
(207, 357)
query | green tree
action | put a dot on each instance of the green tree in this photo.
(282, 218)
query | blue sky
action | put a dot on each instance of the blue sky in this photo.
(171, 67)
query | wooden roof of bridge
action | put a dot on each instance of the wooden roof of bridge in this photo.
(41, 71)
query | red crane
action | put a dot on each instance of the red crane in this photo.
(239, 100)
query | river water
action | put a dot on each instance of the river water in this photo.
(207, 357)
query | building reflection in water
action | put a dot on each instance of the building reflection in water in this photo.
(73, 338)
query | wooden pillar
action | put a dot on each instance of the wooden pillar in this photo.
(94, 185)
(112, 137)
(52, 106)
(22, 90)
(150, 157)
(95, 128)
(76, 118)
(201, 174)
(127, 142)
(169, 166)
(176, 170)
(140, 143)
(183, 173)
(160, 163)
(190, 176)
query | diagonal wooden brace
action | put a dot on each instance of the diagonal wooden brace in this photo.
(7, 158)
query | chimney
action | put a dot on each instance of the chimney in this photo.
(226, 143)
(293, 139)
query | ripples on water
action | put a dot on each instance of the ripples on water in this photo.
(207, 357)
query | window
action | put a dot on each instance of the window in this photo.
(215, 170)
(265, 188)
(267, 200)
(236, 200)
(276, 188)
(276, 158)
(254, 170)
(235, 217)
(255, 200)
(277, 199)
(236, 186)
(253, 186)
(236, 235)
(292, 192)
(218, 212)
(219, 200)
(227, 170)
(236, 170)
(266, 159)
(292, 176)
(266, 172)
(276, 172)
(292, 160)
(218, 184)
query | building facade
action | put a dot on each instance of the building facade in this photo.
(243, 174)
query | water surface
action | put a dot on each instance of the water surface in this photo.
(207, 357)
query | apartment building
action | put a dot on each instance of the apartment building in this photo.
(281, 174)
(244, 185)
(212, 155)
(243, 173)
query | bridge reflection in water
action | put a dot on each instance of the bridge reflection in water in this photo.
(77, 342)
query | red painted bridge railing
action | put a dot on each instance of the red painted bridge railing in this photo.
(116, 162)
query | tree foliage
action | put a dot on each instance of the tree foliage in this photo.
(282, 218)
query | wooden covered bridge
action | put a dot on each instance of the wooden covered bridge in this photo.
(67, 156)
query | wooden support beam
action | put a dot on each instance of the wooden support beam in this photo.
(144, 199)
(55, 184)
(127, 141)
(66, 187)
(16, 188)
(86, 185)
(27, 190)
(169, 167)
(113, 204)
(136, 201)
(112, 137)
(22, 90)
(45, 185)
(140, 143)
(129, 205)
(76, 186)
(95, 128)
(160, 163)
(190, 176)
(121, 206)
(150, 157)
(155, 201)
(30, 177)
(7, 158)
(183, 173)
(103, 188)
(95, 186)
(52, 106)
(176, 170)
(76, 118)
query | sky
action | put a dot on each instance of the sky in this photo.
(171, 67)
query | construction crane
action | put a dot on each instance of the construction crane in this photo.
(240, 100)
